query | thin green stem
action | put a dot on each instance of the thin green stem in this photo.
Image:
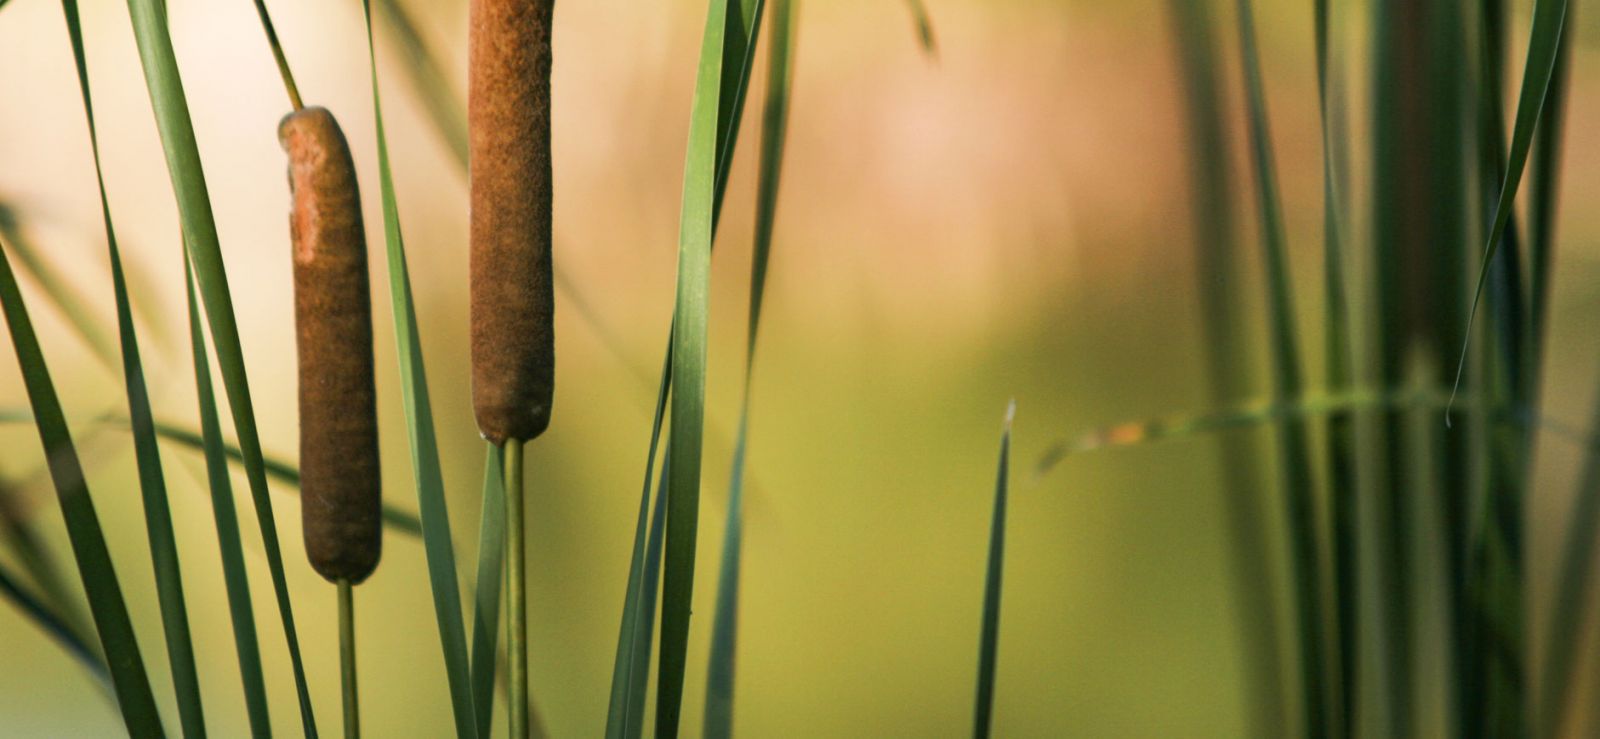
(516, 594)
(277, 55)
(347, 659)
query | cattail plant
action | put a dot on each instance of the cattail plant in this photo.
(513, 306)
(339, 470)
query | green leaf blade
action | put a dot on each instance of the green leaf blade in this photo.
(106, 604)
(152, 483)
(236, 579)
(176, 129)
(989, 634)
(424, 445)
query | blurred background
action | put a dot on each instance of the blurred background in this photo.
(1006, 218)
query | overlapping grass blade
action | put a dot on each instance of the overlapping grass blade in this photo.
(1294, 444)
(1544, 45)
(1217, 267)
(1574, 581)
(690, 318)
(205, 253)
(64, 634)
(1341, 441)
(420, 432)
(1543, 194)
(396, 519)
(152, 483)
(56, 289)
(724, 631)
(236, 578)
(486, 593)
(106, 605)
(422, 67)
(989, 636)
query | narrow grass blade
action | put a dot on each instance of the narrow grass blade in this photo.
(236, 578)
(56, 289)
(1574, 583)
(419, 426)
(396, 519)
(1228, 366)
(106, 604)
(630, 673)
(1543, 194)
(989, 637)
(690, 318)
(46, 619)
(919, 16)
(486, 593)
(724, 631)
(438, 96)
(1544, 45)
(1294, 444)
(1340, 370)
(152, 483)
(205, 254)
(400, 521)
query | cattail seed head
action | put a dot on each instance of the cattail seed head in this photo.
(513, 306)
(339, 472)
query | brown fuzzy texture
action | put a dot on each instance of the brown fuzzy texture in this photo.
(513, 305)
(340, 490)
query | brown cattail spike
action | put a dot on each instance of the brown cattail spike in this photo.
(339, 471)
(513, 307)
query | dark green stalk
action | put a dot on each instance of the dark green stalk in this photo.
(277, 56)
(1298, 485)
(347, 660)
(1343, 503)
(489, 581)
(516, 592)
(1227, 367)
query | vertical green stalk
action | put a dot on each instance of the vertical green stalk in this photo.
(1343, 503)
(1227, 366)
(489, 583)
(1298, 484)
(347, 660)
(516, 593)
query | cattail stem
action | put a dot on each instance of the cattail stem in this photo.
(277, 54)
(516, 594)
(347, 659)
